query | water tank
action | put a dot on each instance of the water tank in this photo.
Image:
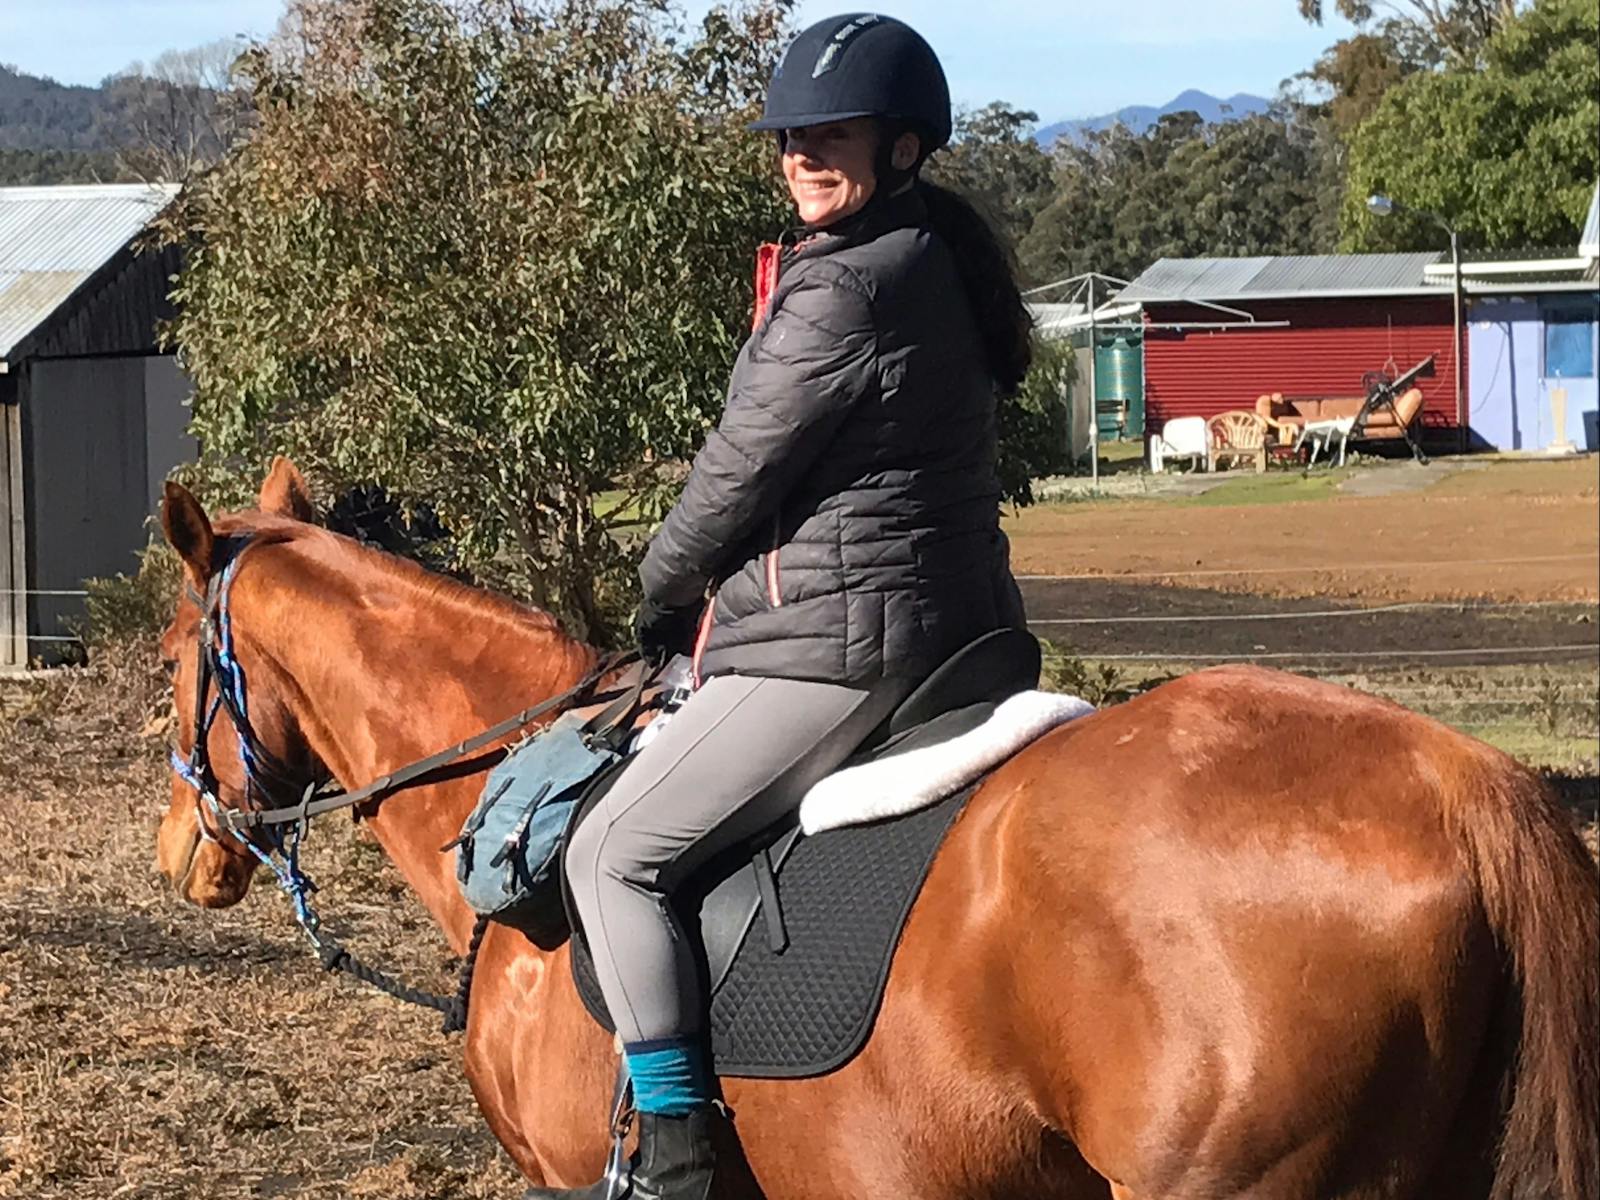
(1119, 386)
(1119, 370)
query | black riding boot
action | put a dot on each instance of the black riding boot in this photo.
(675, 1162)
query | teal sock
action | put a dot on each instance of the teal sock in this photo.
(669, 1076)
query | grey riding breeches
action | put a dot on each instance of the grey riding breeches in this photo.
(738, 755)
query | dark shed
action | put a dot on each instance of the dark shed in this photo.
(92, 414)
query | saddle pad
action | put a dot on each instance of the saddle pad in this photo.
(844, 896)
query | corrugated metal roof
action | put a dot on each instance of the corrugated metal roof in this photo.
(54, 238)
(1197, 278)
(1589, 239)
(1286, 277)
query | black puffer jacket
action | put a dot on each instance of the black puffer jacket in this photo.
(846, 509)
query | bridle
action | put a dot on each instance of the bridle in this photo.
(272, 825)
(266, 778)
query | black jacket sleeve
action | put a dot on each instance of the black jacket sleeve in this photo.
(793, 387)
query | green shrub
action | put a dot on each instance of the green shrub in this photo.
(1098, 683)
(126, 611)
(1033, 424)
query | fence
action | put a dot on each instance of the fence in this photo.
(1302, 616)
(1525, 674)
(56, 593)
(1101, 615)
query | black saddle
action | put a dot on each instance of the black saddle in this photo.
(798, 933)
(962, 694)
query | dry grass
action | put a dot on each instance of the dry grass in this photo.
(1548, 481)
(152, 1050)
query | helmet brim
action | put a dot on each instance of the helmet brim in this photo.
(804, 120)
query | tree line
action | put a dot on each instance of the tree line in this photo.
(156, 121)
(1483, 111)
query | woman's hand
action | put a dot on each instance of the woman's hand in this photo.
(663, 632)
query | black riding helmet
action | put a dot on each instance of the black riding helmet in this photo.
(860, 65)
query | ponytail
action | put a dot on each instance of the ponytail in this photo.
(989, 278)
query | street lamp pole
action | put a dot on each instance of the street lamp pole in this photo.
(1461, 408)
(1094, 400)
(1382, 206)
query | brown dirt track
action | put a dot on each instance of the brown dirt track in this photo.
(1459, 564)
(152, 1051)
(1502, 531)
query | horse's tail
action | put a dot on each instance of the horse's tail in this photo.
(1541, 896)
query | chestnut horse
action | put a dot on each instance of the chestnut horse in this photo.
(1247, 935)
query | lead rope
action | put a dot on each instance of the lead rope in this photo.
(335, 957)
(330, 952)
(283, 857)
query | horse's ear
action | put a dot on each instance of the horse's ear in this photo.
(188, 529)
(285, 492)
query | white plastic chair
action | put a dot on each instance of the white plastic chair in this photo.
(1180, 438)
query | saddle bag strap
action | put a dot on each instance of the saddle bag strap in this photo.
(519, 832)
(771, 907)
(611, 726)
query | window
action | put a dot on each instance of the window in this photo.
(1569, 341)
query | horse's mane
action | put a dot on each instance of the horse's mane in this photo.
(346, 556)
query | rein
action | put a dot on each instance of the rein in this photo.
(267, 778)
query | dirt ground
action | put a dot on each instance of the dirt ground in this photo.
(1465, 589)
(1106, 618)
(1486, 531)
(152, 1051)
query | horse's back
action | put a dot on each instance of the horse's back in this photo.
(1241, 912)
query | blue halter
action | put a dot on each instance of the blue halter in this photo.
(264, 774)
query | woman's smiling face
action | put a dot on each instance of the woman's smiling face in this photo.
(829, 168)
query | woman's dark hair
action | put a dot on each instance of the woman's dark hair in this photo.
(990, 280)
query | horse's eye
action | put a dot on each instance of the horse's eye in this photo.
(170, 666)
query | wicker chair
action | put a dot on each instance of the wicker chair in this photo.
(1234, 435)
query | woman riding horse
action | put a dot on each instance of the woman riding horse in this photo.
(837, 539)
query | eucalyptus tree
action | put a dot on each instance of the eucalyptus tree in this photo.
(1437, 30)
(489, 255)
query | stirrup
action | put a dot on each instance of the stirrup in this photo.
(618, 1176)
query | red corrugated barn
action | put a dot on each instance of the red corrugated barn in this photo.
(1324, 321)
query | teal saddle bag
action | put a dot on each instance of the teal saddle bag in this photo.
(508, 854)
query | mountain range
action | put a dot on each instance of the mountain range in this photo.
(1140, 117)
(71, 124)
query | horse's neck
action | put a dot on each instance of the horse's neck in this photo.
(418, 669)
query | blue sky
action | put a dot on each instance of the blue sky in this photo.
(1061, 58)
